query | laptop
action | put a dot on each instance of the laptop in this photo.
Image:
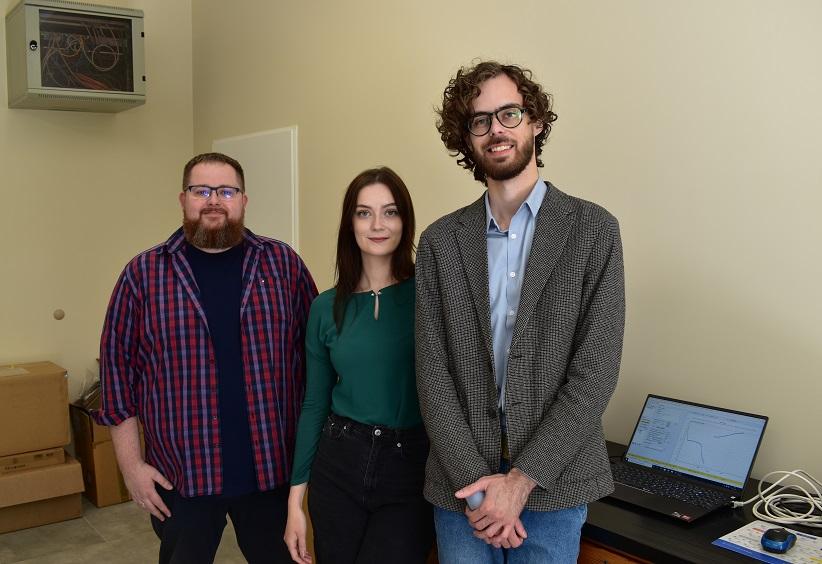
(685, 459)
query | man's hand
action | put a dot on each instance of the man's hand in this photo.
(139, 476)
(497, 520)
(140, 480)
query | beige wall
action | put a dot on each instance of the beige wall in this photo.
(696, 123)
(82, 193)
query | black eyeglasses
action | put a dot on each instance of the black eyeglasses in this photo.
(480, 123)
(203, 192)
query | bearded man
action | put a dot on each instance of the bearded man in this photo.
(203, 344)
(520, 314)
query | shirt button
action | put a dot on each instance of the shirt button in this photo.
(513, 235)
(214, 418)
(512, 312)
(399, 445)
(377, 432)
(512, 274)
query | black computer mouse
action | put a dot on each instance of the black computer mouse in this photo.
(778, 540)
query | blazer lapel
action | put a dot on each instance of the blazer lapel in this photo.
(474, 252)
(551, 233)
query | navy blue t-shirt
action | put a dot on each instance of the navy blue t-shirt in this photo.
(219, 277)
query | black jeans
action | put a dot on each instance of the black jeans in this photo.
(365, 495)
(192, 534)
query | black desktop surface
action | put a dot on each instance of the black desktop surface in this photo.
(657, 538)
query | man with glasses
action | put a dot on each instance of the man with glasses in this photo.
(203, 344)
(520, 315)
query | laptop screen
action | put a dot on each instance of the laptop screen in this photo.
(699, 441)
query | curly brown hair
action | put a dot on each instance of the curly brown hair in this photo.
(465, 87)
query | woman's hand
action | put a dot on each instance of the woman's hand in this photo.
(297, 525)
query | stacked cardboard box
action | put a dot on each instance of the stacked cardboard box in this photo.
(95, 451)
(38, 483)
(43, 495)
(31, 460)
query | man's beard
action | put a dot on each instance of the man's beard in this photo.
(509, 170)
(229, 234)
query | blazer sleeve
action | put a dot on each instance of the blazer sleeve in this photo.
(452, 442)
(593, 368)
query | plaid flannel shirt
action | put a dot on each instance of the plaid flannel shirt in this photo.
(157, 361)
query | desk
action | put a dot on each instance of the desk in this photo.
(654, 538)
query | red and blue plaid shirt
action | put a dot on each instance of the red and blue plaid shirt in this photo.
(157, 361)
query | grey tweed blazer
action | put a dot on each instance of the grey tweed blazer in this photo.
(564, 359)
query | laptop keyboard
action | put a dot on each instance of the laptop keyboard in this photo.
(661, 485)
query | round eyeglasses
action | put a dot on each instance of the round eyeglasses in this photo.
(480, 123)
(202, 192)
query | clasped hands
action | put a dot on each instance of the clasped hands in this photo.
(496, 520)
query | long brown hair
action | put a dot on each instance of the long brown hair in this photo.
(465, 87)
(349, 257)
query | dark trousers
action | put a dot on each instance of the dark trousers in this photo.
(365, 495)
(192, 534)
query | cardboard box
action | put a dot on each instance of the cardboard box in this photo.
(85, 427)
(31, 460)
(102, 478)
(33, 407)
(41, 496)
(92, 443)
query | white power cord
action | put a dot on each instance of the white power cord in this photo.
(772, 503)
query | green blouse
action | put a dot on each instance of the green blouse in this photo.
(365, 372)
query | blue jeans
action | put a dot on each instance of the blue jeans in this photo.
(553, 537)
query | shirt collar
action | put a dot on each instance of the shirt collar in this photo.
(532, 202)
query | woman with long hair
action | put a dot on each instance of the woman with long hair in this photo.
(360, 440)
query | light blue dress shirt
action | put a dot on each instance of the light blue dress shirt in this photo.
(507, 258)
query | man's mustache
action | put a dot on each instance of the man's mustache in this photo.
(213, 210)
(499, 139)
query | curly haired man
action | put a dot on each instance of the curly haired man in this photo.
(520, 316)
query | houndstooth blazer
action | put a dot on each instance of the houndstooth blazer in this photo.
(563, 364)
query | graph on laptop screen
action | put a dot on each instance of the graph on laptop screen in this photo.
(697, 441)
